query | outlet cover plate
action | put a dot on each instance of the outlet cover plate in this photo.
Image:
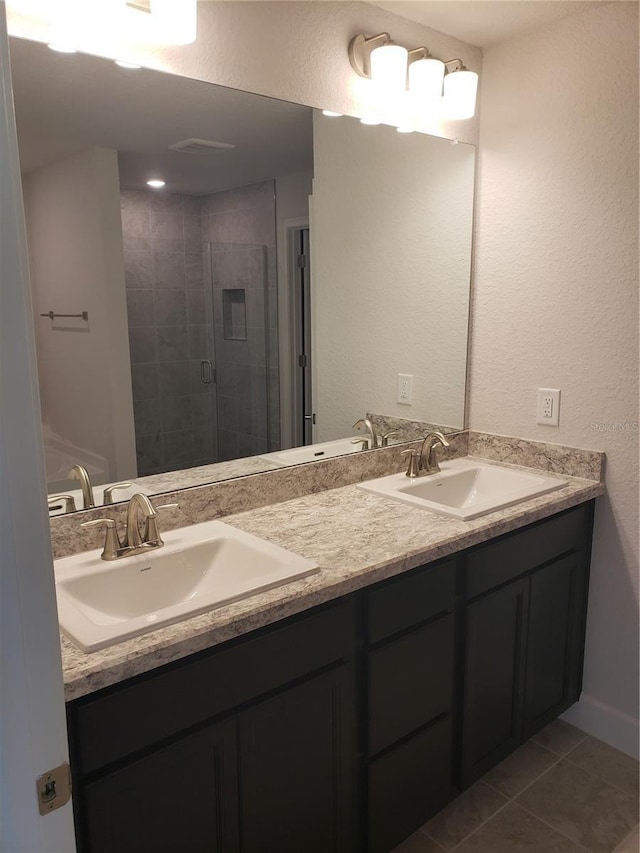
(548, 409)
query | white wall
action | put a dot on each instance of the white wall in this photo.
(32, 720)
(390, 270)
(76, 259)
(295, 50)
(556, 297)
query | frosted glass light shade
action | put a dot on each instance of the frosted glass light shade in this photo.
(425, 79)
(389, 67)
(460, 89)
(174, 21)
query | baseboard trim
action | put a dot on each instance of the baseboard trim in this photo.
(606, 723)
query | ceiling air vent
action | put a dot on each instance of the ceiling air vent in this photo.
(200, 146)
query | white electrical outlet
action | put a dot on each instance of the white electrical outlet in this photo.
(548, 412)
(405, 388)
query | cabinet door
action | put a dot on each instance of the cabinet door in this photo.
(297, 768)
(180, 797)
(555, 639)
(493, 683)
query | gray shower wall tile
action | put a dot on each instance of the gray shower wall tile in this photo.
(138, 269)
(196, 305)
(192, 233)
(192, 204)
(175, 413)
(169, 270)
(166, 225)
(134, 200)
(164, 202)
(145, 382)
(142, 345)
(173, 343)
(138, 244)
(168, 244)
(199, 342)
(140, 308)
(241, 198)
(173, 377)
(177, 449)
(136, 223)
(201, 410)
(170, 307)
(146, 414)
(194, 270)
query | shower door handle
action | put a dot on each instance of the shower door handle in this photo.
(206, 372)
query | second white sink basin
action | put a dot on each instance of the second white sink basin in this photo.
(199, 568)
(465, 488)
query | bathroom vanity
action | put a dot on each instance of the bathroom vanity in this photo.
(344, 726)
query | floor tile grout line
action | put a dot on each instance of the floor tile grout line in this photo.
(554, 828)
(602, 779)
(462, 840)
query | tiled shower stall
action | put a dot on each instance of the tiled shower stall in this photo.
(201, 289)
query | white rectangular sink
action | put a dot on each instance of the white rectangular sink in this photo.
(199, 568)
(313, 452)
(465, 488)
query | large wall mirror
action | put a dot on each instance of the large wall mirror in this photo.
(290, 273)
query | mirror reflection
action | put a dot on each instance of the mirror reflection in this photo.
(215, 328)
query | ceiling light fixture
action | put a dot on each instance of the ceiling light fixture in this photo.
(433, 87)
(122, 63)
(331, 114)
(156, 183)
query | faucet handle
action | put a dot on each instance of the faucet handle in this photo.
(384, 438)
(68, 501)
(112, 542)
(107, 495)
(363, 441)
(413, 470)
(152, 534)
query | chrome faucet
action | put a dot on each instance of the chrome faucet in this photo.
(79, 472)
(428, 462)
(134, 542)
(372, 440)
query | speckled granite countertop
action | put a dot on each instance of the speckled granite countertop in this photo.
(356, 537)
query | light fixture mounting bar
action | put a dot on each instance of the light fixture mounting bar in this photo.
(360, 48)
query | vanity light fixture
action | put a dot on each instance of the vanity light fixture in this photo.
(460, 88)
(432, 85)
(156, 183)
(104, 26)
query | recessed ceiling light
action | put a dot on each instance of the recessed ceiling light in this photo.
(156, 184)
(60, 48)
(123, 64)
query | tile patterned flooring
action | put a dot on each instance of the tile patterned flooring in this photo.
(562, 792)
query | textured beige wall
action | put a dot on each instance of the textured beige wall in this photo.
(556, 296)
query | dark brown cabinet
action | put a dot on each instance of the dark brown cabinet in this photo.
(343, 729)
(524, 638)
(409, 670)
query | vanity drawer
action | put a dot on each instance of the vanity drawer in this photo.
(410, 682)
(126, 719)
(491, 565)
(408, 785)
(410, 599)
